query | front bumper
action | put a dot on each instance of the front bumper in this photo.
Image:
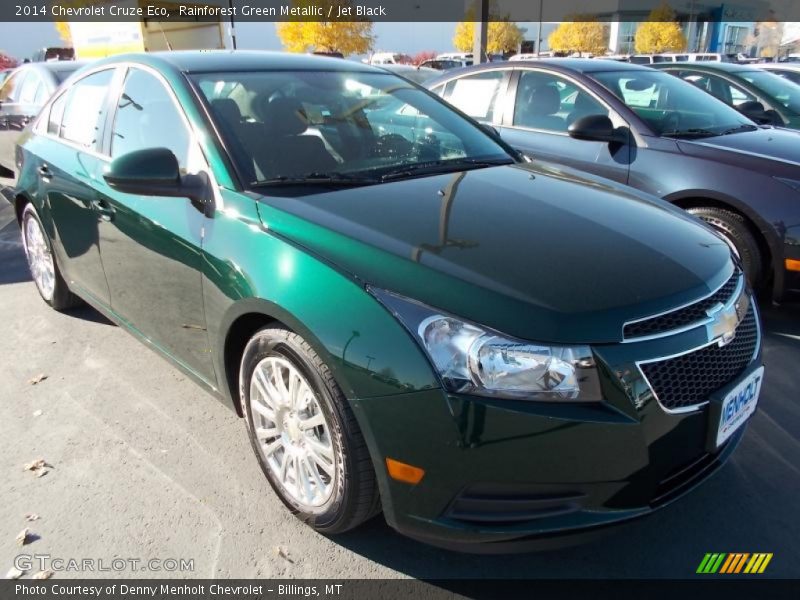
(503, 475)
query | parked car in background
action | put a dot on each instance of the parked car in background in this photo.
(22, 96)
(416, 74)
(406, 314)
(788, 71)
(647, 59)
(657, 133)
(389, 58)
(763, 96)
(51, 54)
(444, 64)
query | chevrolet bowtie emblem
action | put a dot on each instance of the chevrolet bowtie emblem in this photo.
(725, 320)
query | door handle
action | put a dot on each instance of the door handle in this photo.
(104, 210)
(44, 172)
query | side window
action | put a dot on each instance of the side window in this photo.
(477, 95)
(546, 101)
(85, 109)
(148, 118)
(27, 92)
(56, 114)
(738, 95)
(10, 90)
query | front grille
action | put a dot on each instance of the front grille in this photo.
(690, 379)
(694, 313)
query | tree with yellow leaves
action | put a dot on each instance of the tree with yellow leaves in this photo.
(661, 33)
(347, 37)
(502, 34)
(582, 34)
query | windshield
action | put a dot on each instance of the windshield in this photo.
(781, 89)
(671, 106)
(348, 127)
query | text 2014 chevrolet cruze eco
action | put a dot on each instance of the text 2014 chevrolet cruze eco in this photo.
(408, 317)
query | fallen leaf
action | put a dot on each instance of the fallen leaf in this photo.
(14, 573)
(31, 517)
(35, 465)
(47, 574)
(38, 413)
(37, 378)
(284, 554)
(22, 537)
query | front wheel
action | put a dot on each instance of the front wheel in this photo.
(44, 269)
(735, 231)
(304, 433)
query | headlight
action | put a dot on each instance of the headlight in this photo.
(472, 359)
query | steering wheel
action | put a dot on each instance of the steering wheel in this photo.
(391, 145)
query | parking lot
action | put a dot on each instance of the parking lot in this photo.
(144, 464)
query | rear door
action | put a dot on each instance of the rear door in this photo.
(70, 165)
(151, 246)
(540, 107)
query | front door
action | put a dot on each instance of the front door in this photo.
(151, 246)
(544, 106)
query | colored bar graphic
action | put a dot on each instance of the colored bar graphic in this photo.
(734, 562)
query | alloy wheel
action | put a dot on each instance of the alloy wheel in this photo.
(40, 259)
(293, 433)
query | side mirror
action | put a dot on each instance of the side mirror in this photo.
(490, 130)
(596, 128)
(155, 172)
(753, 110)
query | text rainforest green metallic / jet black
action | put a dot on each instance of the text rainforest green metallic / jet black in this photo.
(408, 316)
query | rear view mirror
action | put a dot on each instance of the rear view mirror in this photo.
(155, 172)
(596, 128)
(638, 85)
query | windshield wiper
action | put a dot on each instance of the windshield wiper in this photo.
(740, 128)
(690, 133)
(442, 166)
(336, 179)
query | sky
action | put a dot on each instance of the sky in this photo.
(23, 39)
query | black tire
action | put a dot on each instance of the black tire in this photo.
(61, 298)
(355, 497)
(733, 227)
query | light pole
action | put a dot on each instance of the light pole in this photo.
(539, 35)
(481, 32)
(233, 26)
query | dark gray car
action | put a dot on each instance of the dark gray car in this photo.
(656, 133)
(22, 95)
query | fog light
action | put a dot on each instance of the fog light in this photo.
(403, 472)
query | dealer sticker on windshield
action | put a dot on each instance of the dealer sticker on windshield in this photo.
(739, 404)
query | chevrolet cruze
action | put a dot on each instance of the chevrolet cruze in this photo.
(408, 316)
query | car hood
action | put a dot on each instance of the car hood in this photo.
(768, 143)
(536, 252)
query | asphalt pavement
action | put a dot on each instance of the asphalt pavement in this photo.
(145, 465)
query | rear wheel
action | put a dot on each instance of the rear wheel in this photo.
(736, 232)
(44, 269)
(304, 434)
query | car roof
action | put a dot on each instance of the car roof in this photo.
(564, 65)
(204, 61)
(724, 67)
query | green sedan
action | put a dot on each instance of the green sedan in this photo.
(408, 315)
(763, 96)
